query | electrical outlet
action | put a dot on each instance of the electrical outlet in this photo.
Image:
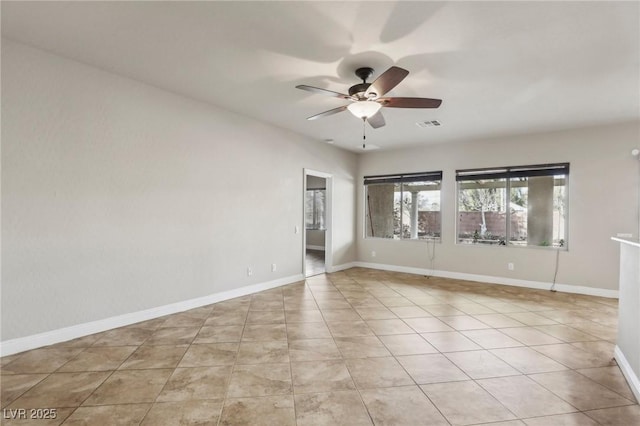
(273, 267)
(510, 266)
(296, 229)
(373, 253)
(249, 271)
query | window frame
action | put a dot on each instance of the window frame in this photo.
(508, 173)
(401, 178)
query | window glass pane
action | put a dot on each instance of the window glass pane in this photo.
(398, 223)
(421, 210)
(383, 213)
(320, 195)
(518, 210)
(308, 209)
(314, 208)
(482, 216)
(538, 209)
(403, 210)
(534, 213)
(560, 211)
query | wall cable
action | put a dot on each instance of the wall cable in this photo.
(431, 255)
(555, 272)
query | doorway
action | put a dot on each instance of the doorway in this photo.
(317, 222)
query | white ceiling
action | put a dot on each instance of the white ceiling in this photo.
(501, 68)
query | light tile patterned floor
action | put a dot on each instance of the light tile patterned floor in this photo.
(314, 262)
(349, 348)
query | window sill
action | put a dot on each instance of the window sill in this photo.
(516, 246)
(414, 240)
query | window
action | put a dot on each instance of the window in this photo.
(314, 208)
(519, 206)
(403, 206)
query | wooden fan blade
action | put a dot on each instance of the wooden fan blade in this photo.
(326, 113)
(376, 120)
(322, 91)
(387, 81)
(410, 102)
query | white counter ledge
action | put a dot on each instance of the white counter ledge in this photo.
(629, 241)
(627, 351)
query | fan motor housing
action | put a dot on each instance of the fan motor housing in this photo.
(359, 89)
(363, 74)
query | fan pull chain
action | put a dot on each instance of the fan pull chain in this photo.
(364, 129)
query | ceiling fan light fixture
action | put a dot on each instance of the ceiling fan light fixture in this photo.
(364, 109)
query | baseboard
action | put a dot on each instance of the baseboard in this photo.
(627, 371)
(337, 268)
(566, 288)
(320, 248)
(22, 344)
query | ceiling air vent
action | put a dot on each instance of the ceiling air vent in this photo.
(432, 123)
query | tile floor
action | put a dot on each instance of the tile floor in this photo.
(314, 262)
(358, 347)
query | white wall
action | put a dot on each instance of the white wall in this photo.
(603, 201)
(627, 351)
(119, 197)
(315, 239)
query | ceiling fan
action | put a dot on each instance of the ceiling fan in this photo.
(368, 98)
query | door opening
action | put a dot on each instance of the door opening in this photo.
(316, 221)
